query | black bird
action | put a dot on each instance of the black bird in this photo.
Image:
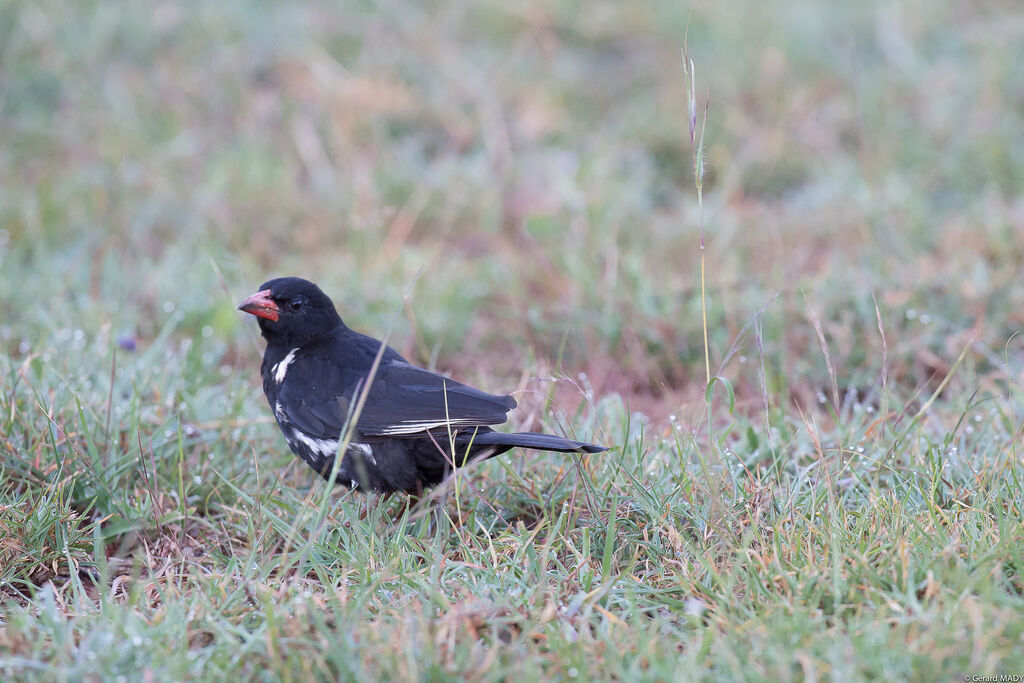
(314, 371)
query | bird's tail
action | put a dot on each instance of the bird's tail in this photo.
(540, 442)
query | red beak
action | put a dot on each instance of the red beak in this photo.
(261, 305)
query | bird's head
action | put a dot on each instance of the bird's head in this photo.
(291, 311)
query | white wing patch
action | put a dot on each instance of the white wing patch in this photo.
(413, 427)
(281, 368)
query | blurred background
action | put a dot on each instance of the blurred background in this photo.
(514, 180)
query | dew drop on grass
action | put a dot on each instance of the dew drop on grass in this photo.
(572, 673)
(168, 307)
(969, 429)
(24, 346)
(137, 641)
(197, 480)
(925, 319)
(911, 314)
(821, 398)
(977, 418)
(743, 359)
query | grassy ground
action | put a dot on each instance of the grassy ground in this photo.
(508, 189)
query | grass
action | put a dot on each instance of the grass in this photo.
(517, 183)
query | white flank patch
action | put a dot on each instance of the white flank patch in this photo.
(329, 446)
(279, 411)
(411, 426)
(281, 368)
(318, 446)
(365, 449)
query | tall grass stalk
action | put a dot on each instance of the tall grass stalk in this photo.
(697, 145)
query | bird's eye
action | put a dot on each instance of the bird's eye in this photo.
(297, 304)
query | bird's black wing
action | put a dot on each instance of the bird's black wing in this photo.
(318, 395)
(405, 400)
